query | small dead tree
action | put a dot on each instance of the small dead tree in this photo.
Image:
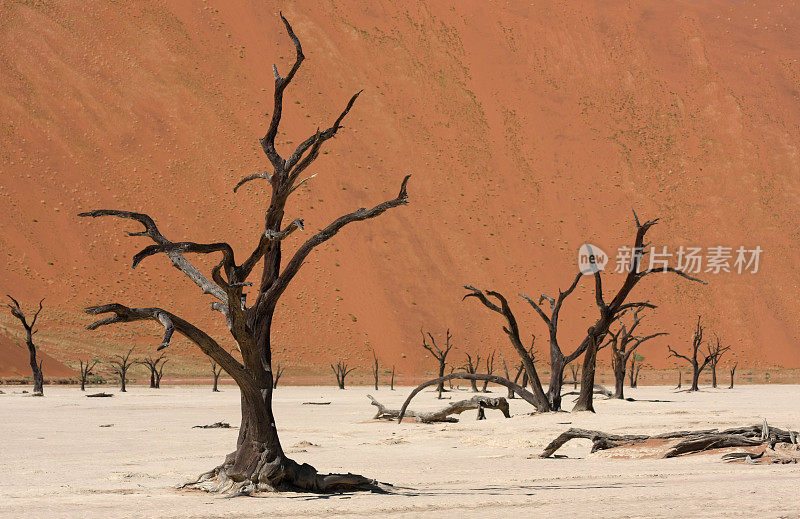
(278, 372)
(697, 365)
(375, 368)
(471, 367)
(30, 331)
(439, 354)
(733, 372)
(574, 370)
(391, 383)
(636, 367)
(86, 371)
(623, 345)
(680, 379)
(217, 372)
(155, 365)
(120, 364)
(520, 370)
(259, 462)
(341, 371)
(716, 351)
(489, 371)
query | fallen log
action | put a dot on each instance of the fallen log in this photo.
(479, 402)
(100, 395)
(215, 425)
(521, 391)
(691, 441)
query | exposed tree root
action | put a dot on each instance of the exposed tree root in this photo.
(690, 441)
(477, 402)
(283, 474)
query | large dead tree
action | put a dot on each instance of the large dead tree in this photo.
(86, 371)
(341, 371)
(624, 343)
(438, 353)
(156, 366)
(259, 462)
(30, 331)
(609, 311)
(698, 365)
(715, 351)
(120, 364)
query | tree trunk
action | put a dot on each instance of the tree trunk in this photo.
(586, 396)
(680, 379)
(122, 382)
(556, 382)
(440, 387)
(619, 379)
(152, 378)
(216, 380)
(36, 367)
(83, 383)
(695, 378)
(714, 374)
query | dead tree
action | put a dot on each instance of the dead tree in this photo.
(680, 379)
(439, 354)
(471, 367)
(160, 374)
(697, 365)
(217, 373)
(259, 462)
(391, 383)
(153, 364)
(278, 372)
(520, 369)
(86, 371)
(733, 372)
(574, 369)
(375, 368)
(636, 365)
(120, 364)
(489, 370)
(715, 351)
(623, 344)
(341, 371)
(30, 331)
(609, 311)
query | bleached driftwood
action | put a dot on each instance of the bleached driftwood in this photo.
(478, 402)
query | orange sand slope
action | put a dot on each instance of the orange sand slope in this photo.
(530, 128)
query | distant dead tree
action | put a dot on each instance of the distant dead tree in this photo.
(636, 367)
(375, 368)
(30, 331)
(623, 344)
(574, 370)
(439, 354)
(120, 364)
(217, 373)
(489, 371)
(259, 462)
(697, 365)
(341, 371)
(716, 351)
(278, 373)
(86, 371)
(471, 367)
(680, 379)
(609, 312)
(733, 372)
(520, 370)
(391, 383)
(156, 366)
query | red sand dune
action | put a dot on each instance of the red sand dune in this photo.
(530, 128)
